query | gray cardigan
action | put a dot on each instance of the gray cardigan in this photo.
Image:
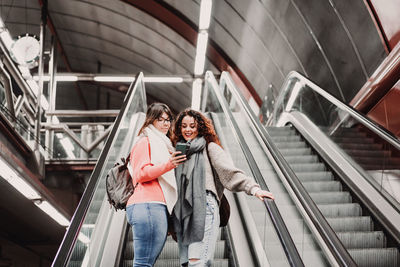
(229, 176)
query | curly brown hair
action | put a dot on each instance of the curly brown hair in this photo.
(204, 127)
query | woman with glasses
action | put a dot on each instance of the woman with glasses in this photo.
(153, 162)
(196, 214)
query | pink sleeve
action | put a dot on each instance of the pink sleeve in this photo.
(143, 169)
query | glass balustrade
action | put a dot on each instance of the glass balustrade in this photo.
(374, 151)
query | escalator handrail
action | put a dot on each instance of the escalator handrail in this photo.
(333, 243)
(288, 245)
(70, 237)
(381, 132)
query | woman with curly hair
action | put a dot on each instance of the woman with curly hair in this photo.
(196, 213)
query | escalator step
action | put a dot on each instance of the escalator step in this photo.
(284, 131)
(350, 134)
(374, 257)
(171, 251)
(322, 186)
(175, 263)
(286, 138)
(290, 145)
(169, 238)
(331, 197)
(344, 224)
(341, 210)
(295, 151)
(302, 159)
(315, 176)
(350, 146)
(363, 239)
(352, 140)
(368, 153)
(308, 167)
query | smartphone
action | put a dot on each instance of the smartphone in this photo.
(183, 147)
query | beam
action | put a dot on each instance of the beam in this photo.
(84, 113)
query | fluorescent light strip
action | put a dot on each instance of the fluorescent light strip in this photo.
(17, 182)
(196, 94)
(113, 79)
(202, 40)
(150, 79)
(199, 65)
(30, 193)
(52, 212)
(205, 14)
(201, 49)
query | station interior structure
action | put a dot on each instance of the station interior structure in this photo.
(304, 95)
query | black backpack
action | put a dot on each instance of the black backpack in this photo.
(119, 185)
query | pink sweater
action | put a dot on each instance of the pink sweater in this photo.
(145, 174)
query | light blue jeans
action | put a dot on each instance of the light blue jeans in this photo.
(203, 250)
(149, 223)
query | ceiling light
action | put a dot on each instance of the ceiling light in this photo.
(201, 48)
(205, 14)
(199, 65)
(52, 212)
(65, 78)
(113, 79)
(163, 79)
(202, 39)
(196, 94)
(58, 78)
(17, 182)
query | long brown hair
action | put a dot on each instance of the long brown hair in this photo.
(154, 111)
(204, 127)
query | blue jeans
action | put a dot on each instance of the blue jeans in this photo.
(149, 223)
(203, 250)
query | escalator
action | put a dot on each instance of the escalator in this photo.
(100, 236)
(341, 160)
(367, 245)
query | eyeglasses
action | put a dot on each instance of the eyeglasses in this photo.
(163, 120)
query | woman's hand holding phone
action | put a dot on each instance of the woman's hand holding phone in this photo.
(177, 158)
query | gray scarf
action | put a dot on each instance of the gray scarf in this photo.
(190, 209)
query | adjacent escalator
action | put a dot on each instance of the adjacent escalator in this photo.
(329, 168)
(359, 233)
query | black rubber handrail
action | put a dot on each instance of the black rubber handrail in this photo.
(71, 235)
(288, 245)
(332, 241)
